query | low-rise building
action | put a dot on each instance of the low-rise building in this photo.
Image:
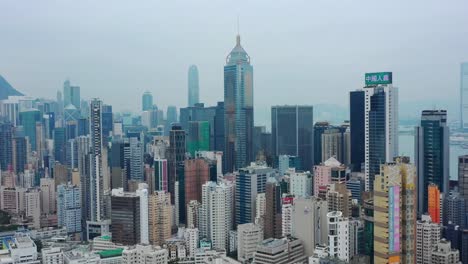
(280, 251)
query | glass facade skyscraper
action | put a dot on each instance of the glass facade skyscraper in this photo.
(238, 108)
(357, 128)
(146, 101)
(198, 137)
(71, 95)
(28, 120)
(6, 149)
(319, 129)
(381, 128)
(432, 155)
(292, 133)
(193, 86)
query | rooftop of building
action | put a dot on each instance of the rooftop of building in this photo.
(109, 253)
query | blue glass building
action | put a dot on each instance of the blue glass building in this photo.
(238, 108)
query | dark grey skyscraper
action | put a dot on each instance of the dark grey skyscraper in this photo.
(319, 128)
(238, 108)
(193, 86)
(146, 101)
(6, 149)
(357, 127)
(432, 154)
(175, 156)
(292, 132)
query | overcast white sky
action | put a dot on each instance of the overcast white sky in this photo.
(303, 52)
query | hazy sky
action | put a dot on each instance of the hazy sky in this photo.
(303, 52)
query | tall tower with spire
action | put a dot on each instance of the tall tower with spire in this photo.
(238, 108)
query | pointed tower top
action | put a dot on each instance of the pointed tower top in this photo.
(238, 54)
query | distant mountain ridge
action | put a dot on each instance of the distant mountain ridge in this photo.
(7, 90)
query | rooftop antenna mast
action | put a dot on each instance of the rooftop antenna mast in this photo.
(238, 32)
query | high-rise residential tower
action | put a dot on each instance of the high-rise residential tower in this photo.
(292, 132)
(98, 187)
(381, 123)
(238, 108)
(146, 101)
(395, 212)
(193, 86)
(432, 155)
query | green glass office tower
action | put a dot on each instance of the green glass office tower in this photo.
(147, 101)
(198, 136)
(432, 155)
(28, 120)
(238, 108)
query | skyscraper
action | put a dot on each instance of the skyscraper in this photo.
(107, 123)
(175, 156)
(28, 119)
(319, 128)
(464, 96)
(98, 199)
(71, 95)
(171, 118)
(160, 212)
(463, 180)
(250, 181)
(432, 155)
(19, 153)
(238, 108)
(146, 101)
(125, 217)
(273, 226)
(357, 127)
(433, 204)
(193, 86)
(381, 123)
(6, 148)
(216, 214)
(60, 145)
(395, 213)
(198, 137)
(292, 133)
(69, 207)
(427, 237)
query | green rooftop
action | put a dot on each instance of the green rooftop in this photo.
(109, 253)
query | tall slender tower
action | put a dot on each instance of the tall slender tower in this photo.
(193, 86)
(96, 224)
(238, 108)
(432, 155)
(381, 123)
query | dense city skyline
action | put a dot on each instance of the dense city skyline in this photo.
(318, 168)
(306, 50)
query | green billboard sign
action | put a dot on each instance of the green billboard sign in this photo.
(378, 78)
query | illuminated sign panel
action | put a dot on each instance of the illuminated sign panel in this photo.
(378, 78)
(394, 218)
